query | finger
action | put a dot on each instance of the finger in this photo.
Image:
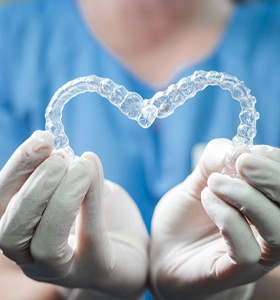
(26, 208)
(267, 151)
(212, 160)
(262, 213)
(184, 199)
(213, 157)
(22, 163)
(49, 245)
(123, 232)
(92, 219)
(261, 172)
(241, 244)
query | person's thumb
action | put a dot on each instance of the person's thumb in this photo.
(91, 227)
(212, 160)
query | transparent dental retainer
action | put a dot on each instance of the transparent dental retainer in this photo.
(161, 105)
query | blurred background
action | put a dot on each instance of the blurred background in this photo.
(8, 1)
(11, 1)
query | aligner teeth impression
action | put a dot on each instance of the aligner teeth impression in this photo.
(161, 105)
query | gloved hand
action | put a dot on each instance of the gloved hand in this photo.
(106, 257)
(213, 234)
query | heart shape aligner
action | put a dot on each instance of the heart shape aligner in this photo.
(161, 105)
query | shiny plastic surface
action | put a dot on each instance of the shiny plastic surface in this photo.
(161, 105)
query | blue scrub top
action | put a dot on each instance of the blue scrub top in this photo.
(45, 43)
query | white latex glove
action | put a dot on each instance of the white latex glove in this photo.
(107, 256)
(203, 246)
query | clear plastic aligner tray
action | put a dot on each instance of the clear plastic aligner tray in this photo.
(161, 105)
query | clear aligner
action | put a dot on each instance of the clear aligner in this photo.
(161, 105)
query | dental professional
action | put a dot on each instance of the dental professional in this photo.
(211, 236)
